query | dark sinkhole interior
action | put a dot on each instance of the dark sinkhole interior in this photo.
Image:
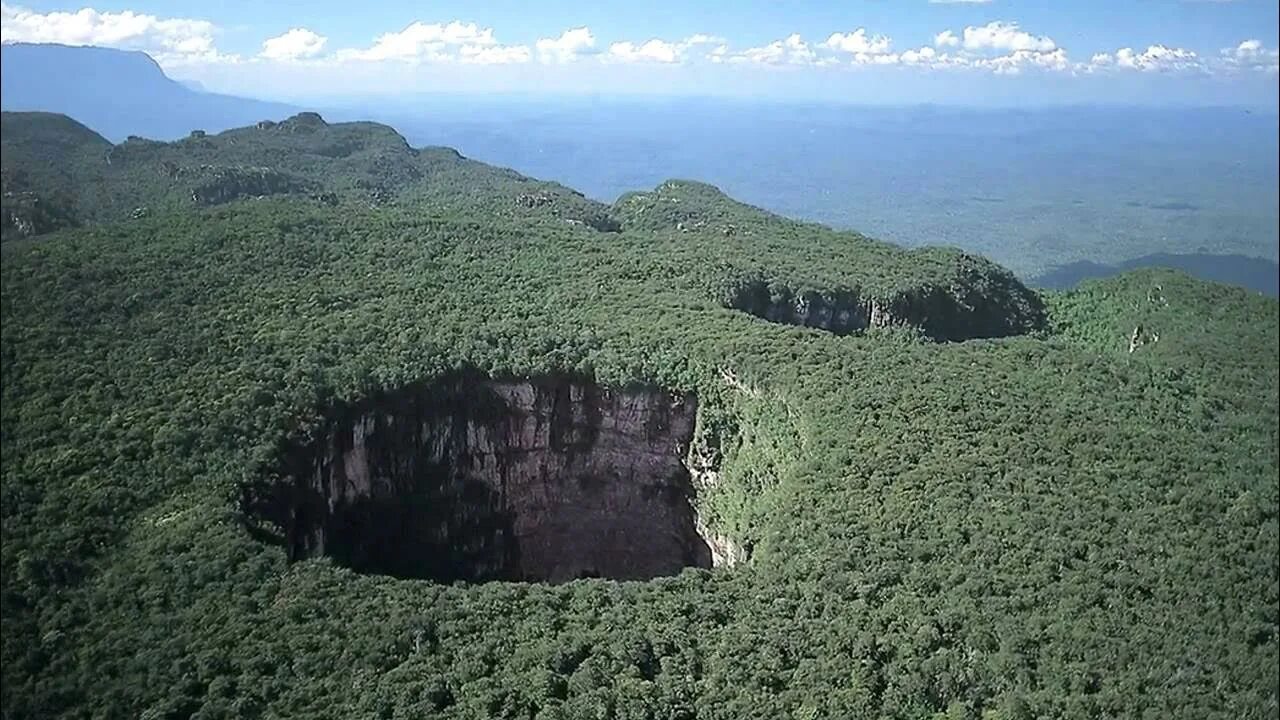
(476, 479)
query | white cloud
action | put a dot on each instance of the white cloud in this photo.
(1157, 58)
(1003, 36)
(494, 54)
(1251, 55)
(703, 39)
(1162, 58)
(171, 41)
(654, 50)
(946, 38)
(439, 42)
(791, 50)
(1247, 48)
(858, 43)
(1021, 50)
(571, 45)
(922, 56)
(1000, 47)
(1019, 60)
(295, 44)
(1012, 63)
(659, 51)
(928, 57)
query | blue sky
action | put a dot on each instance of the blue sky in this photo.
(1001, 52)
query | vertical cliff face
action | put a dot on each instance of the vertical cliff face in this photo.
(476, 479)
(978, 307)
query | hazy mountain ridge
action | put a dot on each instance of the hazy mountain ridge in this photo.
(118, 93)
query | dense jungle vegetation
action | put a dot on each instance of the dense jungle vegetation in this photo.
(1077, 520)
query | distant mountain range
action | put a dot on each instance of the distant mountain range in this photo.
(119, 93)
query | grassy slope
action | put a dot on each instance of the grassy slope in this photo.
(1023, 528)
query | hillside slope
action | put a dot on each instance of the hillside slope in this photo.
(791, 272)
(215, 414)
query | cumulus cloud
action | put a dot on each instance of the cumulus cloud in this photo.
(703, 39)
(1004, 36)
(1156, 58)
(1023, 51)
(921, 56)
(1251, 55)
(654, 50)
(295, 44)
(1019, 60)
(169, 40)
(933, 59)
(946, 38)
(1001, 47)
(791, 50)
(659, 51)
(858, 43)
(571, 45)
(494, 54)
(439, 42)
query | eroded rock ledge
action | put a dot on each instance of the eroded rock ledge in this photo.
(475, 479)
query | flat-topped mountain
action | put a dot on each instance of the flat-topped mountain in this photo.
(118, 92)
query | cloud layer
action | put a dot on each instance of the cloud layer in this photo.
(999, 47)
(296, 44)
(168, 40)
(572, 44)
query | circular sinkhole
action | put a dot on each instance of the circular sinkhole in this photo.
(473, 478)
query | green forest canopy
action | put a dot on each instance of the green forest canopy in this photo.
(1077, 520)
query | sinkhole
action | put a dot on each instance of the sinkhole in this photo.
(474, 479)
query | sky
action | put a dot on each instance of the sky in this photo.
(965, 52)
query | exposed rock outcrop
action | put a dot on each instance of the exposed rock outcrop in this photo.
(25, 214)
(572, 207)
(476, 479)
(959, 312)
(304, 122)
(234, 183)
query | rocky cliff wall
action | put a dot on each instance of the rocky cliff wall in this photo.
(960, 312)
(475, 479)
